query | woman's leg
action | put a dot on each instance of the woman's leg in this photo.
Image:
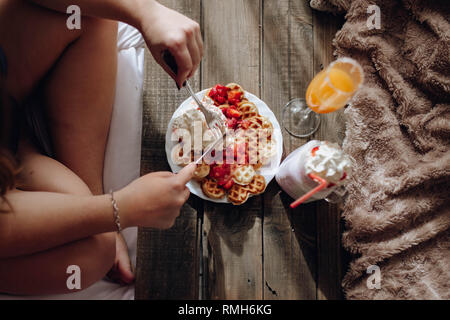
(79, 96)
(45, 272)
(33, 39)
(80, 69)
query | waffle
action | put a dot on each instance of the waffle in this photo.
(201, 172)
(255, 123)
(248, 110)
(266, 151)
(257, 186)
(243, 175)
(257, 165)
(261, 123)
(252, 145)
(235, 87)
(243, 100)
(238, 194)
(260, 147)
(267, 126)
(212, 189)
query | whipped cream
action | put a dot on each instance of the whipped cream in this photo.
(188, 119)
(329, 163)
(193, 120)
(217, 114)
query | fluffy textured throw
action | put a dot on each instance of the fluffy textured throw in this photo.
(398, 132)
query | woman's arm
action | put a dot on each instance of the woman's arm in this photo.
(39, 220)
(46, 272)
(120, 10)
(31, 222)
(163, 29)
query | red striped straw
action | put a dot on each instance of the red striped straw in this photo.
(322, 185)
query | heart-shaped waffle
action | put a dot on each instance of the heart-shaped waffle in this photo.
(266, 123)
(238, 194)
(202, 171)
(267, 127)
(262, 124)
(266, 150)
(248, 110)
(243, 100)
(257, 186)
(212, 189)
(235, 87)
(243, 175)
(251, 136)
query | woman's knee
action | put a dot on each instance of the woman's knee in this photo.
(41, 173)
(27, 67)
(106, 29)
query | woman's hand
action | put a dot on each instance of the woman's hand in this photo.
(155, 199)
(122, 270)
(165, 29)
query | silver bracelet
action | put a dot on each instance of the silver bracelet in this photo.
(115, 211)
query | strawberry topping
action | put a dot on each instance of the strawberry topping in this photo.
(313, 151)
(228, 184)
(232, 123)
(233, 113)
(221, 94)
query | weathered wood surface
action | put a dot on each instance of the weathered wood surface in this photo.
(167, 261)
(263, 249)
(233, 264)
(289, 235)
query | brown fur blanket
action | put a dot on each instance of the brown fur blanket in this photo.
(398, 131)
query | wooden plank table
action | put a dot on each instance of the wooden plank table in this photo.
(262, 249)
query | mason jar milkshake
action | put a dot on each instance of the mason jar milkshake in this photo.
(320, 159)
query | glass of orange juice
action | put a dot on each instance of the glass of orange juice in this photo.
(330, 90)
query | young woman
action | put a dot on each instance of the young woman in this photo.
(53, 212)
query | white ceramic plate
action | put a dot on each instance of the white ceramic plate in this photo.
(268, 171)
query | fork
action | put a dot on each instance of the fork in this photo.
(218, 130)
(212, 122)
